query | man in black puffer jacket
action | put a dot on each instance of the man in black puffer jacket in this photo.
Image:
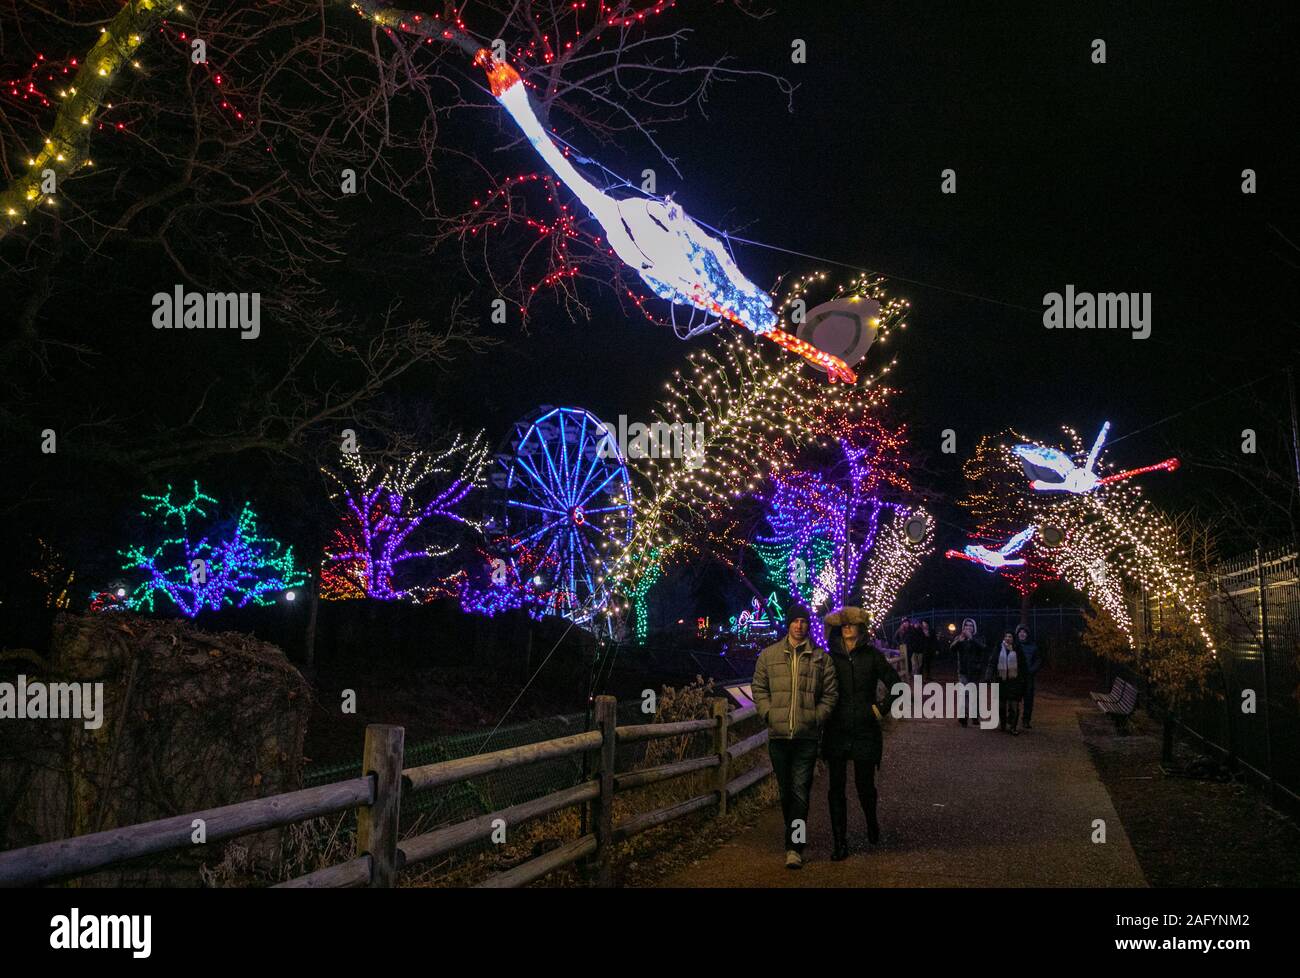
(853, 732)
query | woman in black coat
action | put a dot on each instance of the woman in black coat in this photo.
(853, 731)
(1006, 667)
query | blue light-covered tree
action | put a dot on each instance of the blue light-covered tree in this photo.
(226, 565)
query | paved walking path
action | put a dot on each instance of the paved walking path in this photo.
(958, 807)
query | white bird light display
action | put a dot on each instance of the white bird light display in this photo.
(1051, 470)
(993, 560)
(673, 255)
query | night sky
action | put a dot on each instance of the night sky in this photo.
(1117, 177)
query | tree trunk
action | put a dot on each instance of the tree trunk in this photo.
(309, 643)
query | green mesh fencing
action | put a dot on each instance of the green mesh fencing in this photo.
(489, 792)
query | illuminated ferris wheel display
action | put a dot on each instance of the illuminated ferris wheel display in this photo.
(560, 503)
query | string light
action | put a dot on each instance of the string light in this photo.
(758, 619)
(1000, 507)
(752, 410)
(207, 571)
(382, 510)
(673, 255)
(1051, 470)
(639, 594)
(826, 518)
(994, 560)
(1111, 536)
(53, 576)
(894, 560)
(808, 291)
(66, 148)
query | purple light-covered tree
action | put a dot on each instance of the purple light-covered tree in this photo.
(388, 519)
(824, 519)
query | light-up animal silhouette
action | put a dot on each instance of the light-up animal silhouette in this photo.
(1051, 470)
(673, 255)
(993, 560)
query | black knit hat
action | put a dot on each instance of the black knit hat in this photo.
(797, 611)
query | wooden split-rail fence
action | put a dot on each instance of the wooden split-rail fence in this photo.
(376, 796)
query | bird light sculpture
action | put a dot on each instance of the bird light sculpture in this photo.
(1051, 470)
(675, 257)
(994, 560)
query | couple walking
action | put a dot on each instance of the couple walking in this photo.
(813, 699)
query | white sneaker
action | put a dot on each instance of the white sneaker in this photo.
(793, 860)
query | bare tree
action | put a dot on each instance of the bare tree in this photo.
(212, 144)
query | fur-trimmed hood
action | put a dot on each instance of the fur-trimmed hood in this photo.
(846, 616)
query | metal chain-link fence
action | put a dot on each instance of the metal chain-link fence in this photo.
(1254, 604)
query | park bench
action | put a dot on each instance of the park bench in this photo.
(1119, 703)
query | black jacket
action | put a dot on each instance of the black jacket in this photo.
(1011, 687)
(1033, 658)
(971, 658)
(853, 730)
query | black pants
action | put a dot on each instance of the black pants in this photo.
(864, 778)
(793, 763)
(1009, 704)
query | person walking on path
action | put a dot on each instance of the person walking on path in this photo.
(903, 642)
(929, 645)
(853, 732)
(903, 634)
(794, 691)
(915, 648)
(1033, 662)
(1007, 669)
(970, 657)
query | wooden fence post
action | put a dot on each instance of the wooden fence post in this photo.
(603, 806)
(377, 824)
(722, 714)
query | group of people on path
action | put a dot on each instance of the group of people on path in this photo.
(913, 638)
(825, 701)
(1013, 666)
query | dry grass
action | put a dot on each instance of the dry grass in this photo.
(649, 856)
